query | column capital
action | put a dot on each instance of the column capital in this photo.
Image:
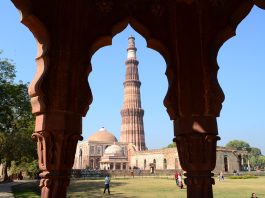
(197, 152)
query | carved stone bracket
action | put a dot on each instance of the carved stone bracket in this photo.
(54, 149)
(53, 184)
(203, 178)
(197, 152)
(199, 184)
(57, 135)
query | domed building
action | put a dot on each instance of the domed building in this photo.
(102, 135)
(114, 158)
(101, 143)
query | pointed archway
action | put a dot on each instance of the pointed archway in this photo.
(187, 33)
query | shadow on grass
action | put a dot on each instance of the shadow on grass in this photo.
(94, 188)
(25, 190)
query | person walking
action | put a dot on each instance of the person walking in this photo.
(180, 181)
(176, 178)
(221, 176)
(107, 182)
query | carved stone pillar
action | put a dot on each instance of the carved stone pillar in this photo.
(57, 134)
(58, 127)
(60, 94)
(59, 120)
(196, 139)
(194, 98)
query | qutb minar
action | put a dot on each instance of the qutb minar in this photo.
(132, 128)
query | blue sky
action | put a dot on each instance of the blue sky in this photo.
(241, 76)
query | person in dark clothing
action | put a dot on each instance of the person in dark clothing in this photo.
(107, 182)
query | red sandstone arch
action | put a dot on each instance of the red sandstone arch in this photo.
(187, 33)
(138, 27)
(42, 40)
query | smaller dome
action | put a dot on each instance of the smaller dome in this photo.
(115, 150)
(102, 135)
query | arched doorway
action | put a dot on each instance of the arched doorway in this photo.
(225, 163)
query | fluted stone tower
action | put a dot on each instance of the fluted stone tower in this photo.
(132, 128)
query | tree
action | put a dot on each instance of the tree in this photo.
(31, 168)
(253, 161)
(172, 145)
(16, 119)
(261, 161)
(256, 159)
(239, 145)
(255, 152)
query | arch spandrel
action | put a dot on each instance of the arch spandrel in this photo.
(260, 3)
(152, 43)
(42, 40)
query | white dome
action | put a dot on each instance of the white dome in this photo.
(115, 150)
(102, 135)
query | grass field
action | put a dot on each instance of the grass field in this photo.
(154, 187)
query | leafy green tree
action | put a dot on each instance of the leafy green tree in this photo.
(29, 167)
(16, 119)
(253, 161)
(239, 145)
(255, 152)
(256, 159)
(261, 161)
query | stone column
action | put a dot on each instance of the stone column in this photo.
(196, 139)
(57, 134)
(60, 94)
(248, 164)
(58, 119)
(60, 97)
(242, 161)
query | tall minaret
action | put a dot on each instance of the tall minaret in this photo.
(132, 128)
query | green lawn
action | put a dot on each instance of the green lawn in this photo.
(155, 187)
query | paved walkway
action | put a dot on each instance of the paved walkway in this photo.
(5, 188)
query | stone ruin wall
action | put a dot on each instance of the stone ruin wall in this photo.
(171, 155)
(232, 159)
